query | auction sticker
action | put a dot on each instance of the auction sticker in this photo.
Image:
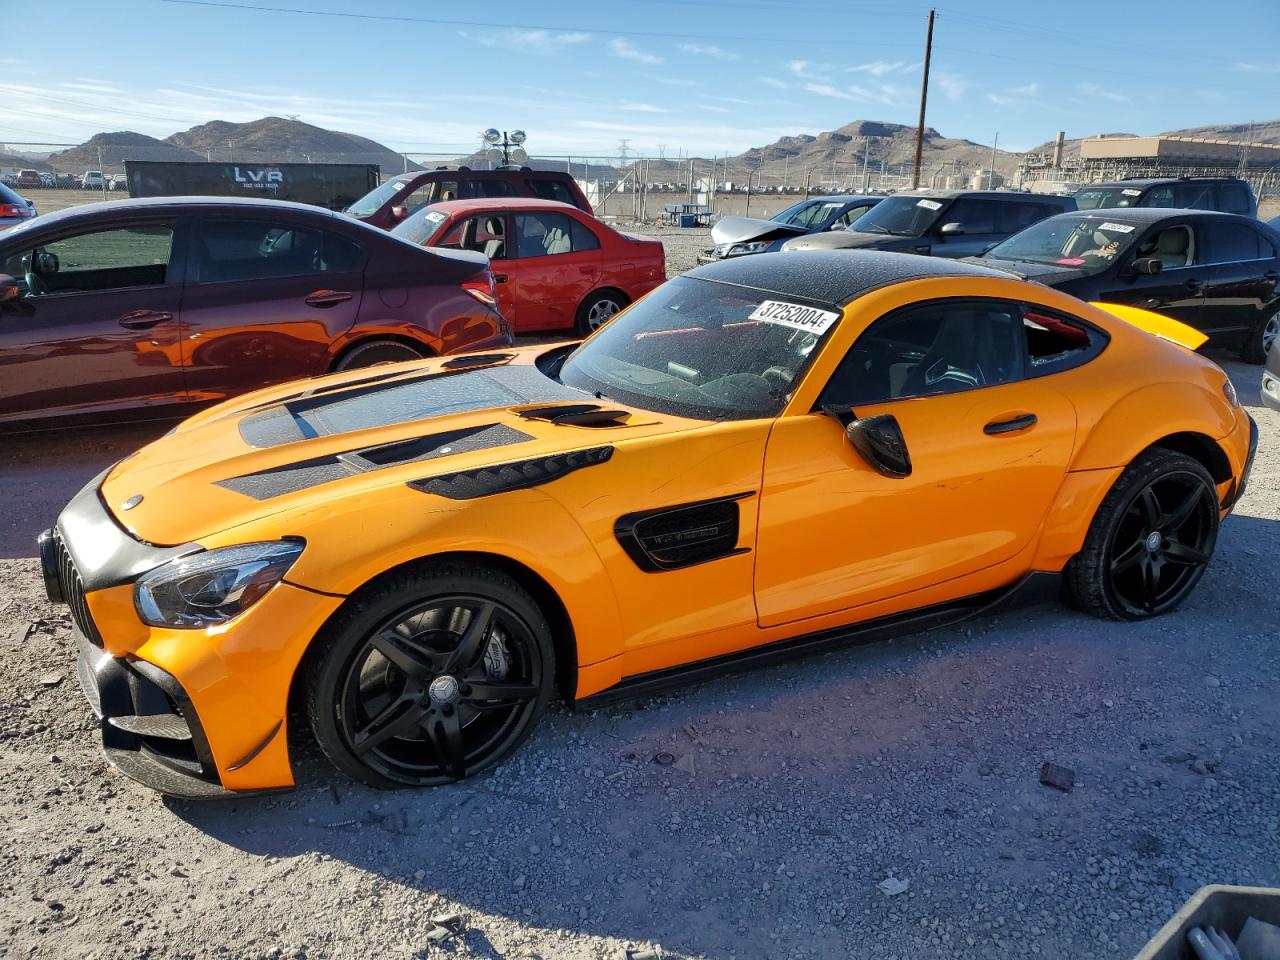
(793, 315)
(435, 216)
(1130, 192)
(1116, 227)
(928, 204)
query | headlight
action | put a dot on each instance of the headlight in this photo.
(212, 587)
(757, 246)
(1229, 391)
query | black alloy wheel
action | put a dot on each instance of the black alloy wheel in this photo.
(436, 689)
(1150, 541)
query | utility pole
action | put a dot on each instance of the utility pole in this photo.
(103, 175)
(924, 96)
(866, 147)
(991, 174)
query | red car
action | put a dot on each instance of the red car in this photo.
(149, 308)
(556, 268)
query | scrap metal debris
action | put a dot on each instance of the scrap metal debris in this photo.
(1060, 778)
(892, 886)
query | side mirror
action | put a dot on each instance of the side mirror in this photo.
(400, 212)
(10, 289)
(952, 229)
(878, 440)
(1148, 266)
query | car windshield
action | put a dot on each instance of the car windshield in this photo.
(421, 226)
(900, 216)
(703, 349)
(1068, 241)
(1105, 198)
(375, 199)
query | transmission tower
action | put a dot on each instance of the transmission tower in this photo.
(623, 149)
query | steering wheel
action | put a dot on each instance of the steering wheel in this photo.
(35, 286)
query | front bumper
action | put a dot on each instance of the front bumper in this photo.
(1271, 382)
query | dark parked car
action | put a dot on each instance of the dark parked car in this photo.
(400, 197)
(738, 236)
(1224, 194)
(1271, 379)
(1217, 272)
(14, 209)
(146, 308)
(941, 223)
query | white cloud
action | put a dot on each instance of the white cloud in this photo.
(708, 107)
(530, 41)
(799, 67)
(1016, 96)
(673, 81)
(826, 90)
(773, 82)
(954, 85)
(708, 50)
(628, 51)
(1098, 92)
(1258, 67)
(642, 108)
(881, 68)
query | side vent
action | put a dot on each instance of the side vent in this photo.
(681, 536)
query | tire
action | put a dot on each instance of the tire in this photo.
(1149, 542)
(373, 352)
(1260, 340)
(596, 310)
(449, 702)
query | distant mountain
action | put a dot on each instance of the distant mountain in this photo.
(115, 149)
(282, 140)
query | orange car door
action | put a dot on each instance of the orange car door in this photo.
(988, 448)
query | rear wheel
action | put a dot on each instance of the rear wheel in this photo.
(373, 352)
(597, 310)
(1150, 540)
(1261, 339)
(438, 674)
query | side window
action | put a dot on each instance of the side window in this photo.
(581, 237)
(445, 190)
(542, 234)
(485, 235)
(1234, 198)
(1056, 342)
(1227, 242)
(418, 199)
(492, 187)
(103, 260)
(945, 346)
(551, 190)
(847, 218)
(1016, 216)
(238, 250)
(1159, 197)
(1172, 246)
(975, 216)
(1194, 196)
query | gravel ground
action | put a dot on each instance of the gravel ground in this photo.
(795, 793)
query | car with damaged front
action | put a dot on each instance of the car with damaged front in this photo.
(765, 456)
(739, 236)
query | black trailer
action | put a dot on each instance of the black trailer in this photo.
(332, 185)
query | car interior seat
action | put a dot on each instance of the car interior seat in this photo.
(556, 241)
(496, 245)
(1173, 248)
(952, 362)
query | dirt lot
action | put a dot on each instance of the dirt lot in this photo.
(797, 791)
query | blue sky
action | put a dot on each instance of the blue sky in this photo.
(701, 77)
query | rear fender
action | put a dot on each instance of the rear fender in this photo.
(1141, 418)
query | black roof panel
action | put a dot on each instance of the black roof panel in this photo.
(833, 276)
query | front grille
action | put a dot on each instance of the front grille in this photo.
(73, 592)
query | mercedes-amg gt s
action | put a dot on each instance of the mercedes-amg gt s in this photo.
(765, 455)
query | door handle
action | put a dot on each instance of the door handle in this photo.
(1012, 425)
(326, 298)
(586, 270)
(499, 278)
(143, 319)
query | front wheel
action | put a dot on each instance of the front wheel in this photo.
(435, 675)
(1150, 541)
(597, 310)
(1261, 339)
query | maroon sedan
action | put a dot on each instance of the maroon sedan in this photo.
(147, 308)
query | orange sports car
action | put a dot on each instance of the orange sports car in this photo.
(763, 456)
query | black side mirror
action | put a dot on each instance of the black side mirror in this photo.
(878, 440)
(1147, 266)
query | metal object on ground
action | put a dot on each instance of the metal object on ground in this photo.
(1060, 778)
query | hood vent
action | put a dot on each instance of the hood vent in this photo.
(578, 415)
(477, 360)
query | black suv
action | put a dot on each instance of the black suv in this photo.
(943, 223)
(1223, 194)
(397, 199)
